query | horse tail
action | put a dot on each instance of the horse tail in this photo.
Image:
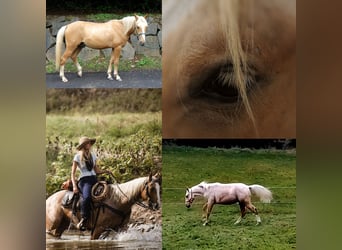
(264, 194)
(59, 44)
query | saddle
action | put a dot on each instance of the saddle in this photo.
(71, 200)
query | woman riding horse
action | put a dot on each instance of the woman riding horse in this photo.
(85, 161)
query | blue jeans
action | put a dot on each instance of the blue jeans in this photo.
(85, 184)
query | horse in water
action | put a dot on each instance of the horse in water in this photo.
(229, 69)
(227, 194)
(113, 212)
(112, 34)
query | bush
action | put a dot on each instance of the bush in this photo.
(129, 152)
(144, 6)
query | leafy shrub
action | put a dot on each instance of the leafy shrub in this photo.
(129, 152)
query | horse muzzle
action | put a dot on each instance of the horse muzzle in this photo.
(153, 206)
(188, 204)
(141, 37)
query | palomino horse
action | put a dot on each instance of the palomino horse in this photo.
(112, 34)
(227, 194)
(111, 213)
(229, 69)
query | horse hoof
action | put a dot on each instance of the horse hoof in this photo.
(118, 78)
(64, 79)
(110, 78)
(79, 74)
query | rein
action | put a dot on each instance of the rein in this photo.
(112, 209)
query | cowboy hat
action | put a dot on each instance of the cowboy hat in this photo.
(83, 140)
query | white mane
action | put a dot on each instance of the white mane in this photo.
(204, 184)
(130, 189)
(129, 23)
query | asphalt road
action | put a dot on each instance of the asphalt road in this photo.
(130, 79)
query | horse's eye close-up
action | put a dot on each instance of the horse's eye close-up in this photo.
(219, 84)
(214, 88)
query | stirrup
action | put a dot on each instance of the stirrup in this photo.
(81, 224)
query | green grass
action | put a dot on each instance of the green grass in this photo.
(185, 166)
(103, 17)
(100, 64)
(102, 101)
(114, 126)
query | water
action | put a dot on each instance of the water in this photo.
(140, 237)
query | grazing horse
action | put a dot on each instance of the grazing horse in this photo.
(227, 194)
(229, 69)
(111, 213)
(112, 34)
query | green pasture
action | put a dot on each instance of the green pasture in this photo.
(102, 101)
(187, 166)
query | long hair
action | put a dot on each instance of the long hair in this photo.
(129, 24)
(59, 45)
(87, 158)
(229, 18)
(130, 190)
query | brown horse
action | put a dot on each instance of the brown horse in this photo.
(112, 34)
(229, 69)
(111, 213)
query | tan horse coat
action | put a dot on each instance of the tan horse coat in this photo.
(112, 213)
(112, 34)
(229, 69)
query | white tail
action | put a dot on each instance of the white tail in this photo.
(59, 44)
(261, 192)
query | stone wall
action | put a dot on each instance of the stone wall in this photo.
(153, 45)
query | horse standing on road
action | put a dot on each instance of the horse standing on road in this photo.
(112, 34)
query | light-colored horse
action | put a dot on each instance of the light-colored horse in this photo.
(229, 69)
(112, 213)
(112, 34)
(227, 194)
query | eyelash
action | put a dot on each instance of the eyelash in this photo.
(218, 86)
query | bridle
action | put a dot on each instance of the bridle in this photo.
(140, 34)
(146, 187)
(191, 200)
(137, 202)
